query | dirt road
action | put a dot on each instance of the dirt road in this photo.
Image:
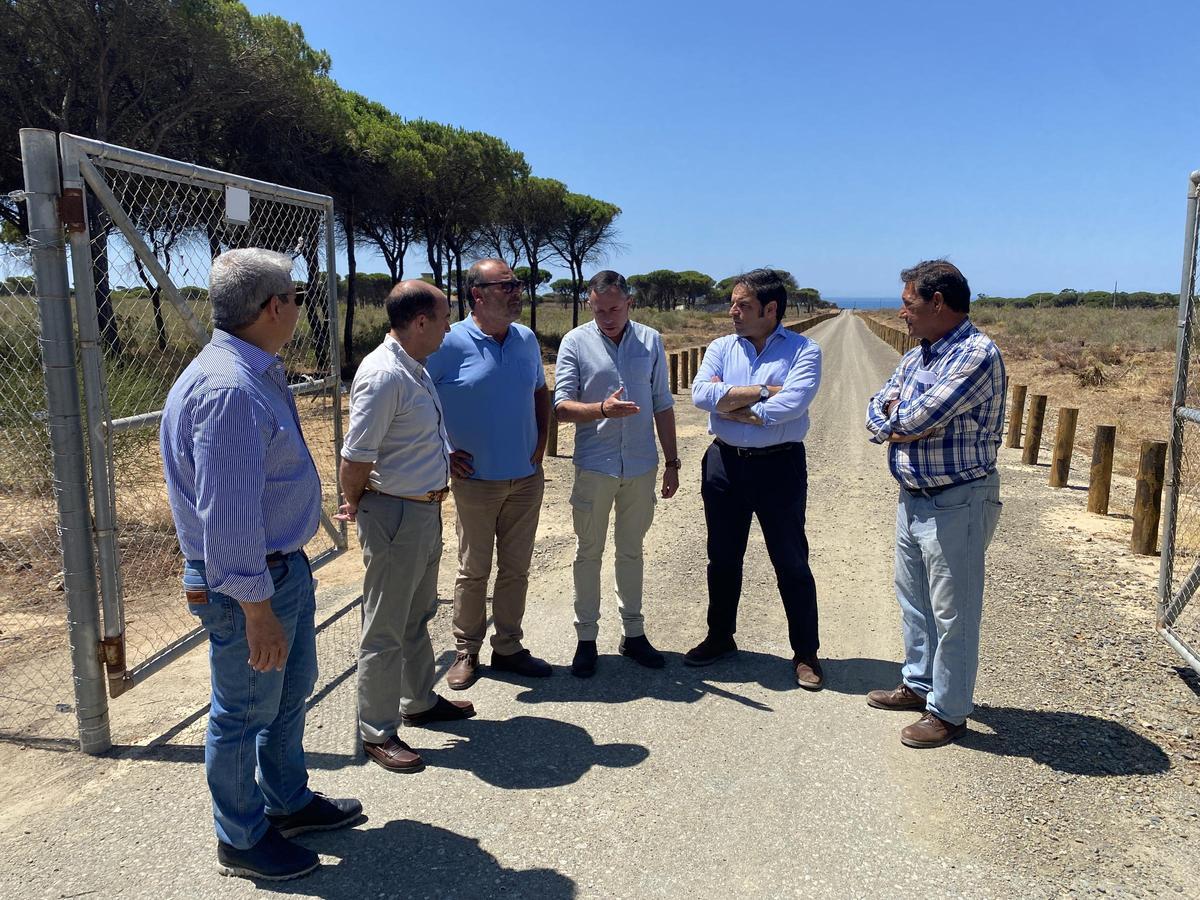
(1078, 776)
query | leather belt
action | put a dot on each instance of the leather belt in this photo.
(199, 596)
(937, 489)
(429, 497)
(760, 451)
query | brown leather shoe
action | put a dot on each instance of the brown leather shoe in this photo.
(808, 673)
(464, 672)
(442, 711)
(902, 697)
(930, 731)
(394, 755)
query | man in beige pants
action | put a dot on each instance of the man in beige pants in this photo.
(395, 470)
(611, 380)
(490, 379)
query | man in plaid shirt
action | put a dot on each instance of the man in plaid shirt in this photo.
(940, 415)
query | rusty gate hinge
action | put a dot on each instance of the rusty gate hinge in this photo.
(113, 649)
(70, 209)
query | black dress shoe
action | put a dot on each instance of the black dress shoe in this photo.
(641, 651)
(442, 711)
(522, 663)
(709, 650)
(584, 663)
(321, 814)
(273, 858)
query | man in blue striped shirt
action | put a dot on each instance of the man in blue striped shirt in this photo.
(940, 415)
(246, 498)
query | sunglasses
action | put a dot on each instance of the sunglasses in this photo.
(508, 286)
(300, 296)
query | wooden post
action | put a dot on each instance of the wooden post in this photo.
(1100, 482)
(552, 434)
(1033, 430)
(695, 352)
(674, 358)
(685, 377)
(1064, 446)
(1015, 416)
(1147, 501)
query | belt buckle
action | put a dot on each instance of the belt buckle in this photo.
(437, 496)
(744, 452)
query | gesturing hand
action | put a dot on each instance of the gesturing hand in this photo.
(613, 407)
(460, 464)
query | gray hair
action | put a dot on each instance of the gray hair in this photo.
(241, 281)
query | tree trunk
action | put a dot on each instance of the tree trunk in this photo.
(109, 334)
(458, 284)
(533, 277)
(351, 290)
(576, 290)
(318, 321)
(160, 327)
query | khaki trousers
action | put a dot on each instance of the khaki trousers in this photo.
(592, 498)
(402, 544)
(502, 516)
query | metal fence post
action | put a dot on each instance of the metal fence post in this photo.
(39, 160)
(335, 360)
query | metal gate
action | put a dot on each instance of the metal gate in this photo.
(142, 231)
(1179, 577)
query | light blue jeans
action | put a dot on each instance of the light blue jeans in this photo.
(940, 544)
(256, 723)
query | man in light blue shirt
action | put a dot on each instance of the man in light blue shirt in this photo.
(246, 498)
(757, 385)
(492, 386)
(611, 381)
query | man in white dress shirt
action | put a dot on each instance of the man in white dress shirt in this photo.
(395, 474)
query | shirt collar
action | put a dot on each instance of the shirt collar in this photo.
(778, 332)
(401, 354)
(941, 345)
(257, 359)
(472, 326)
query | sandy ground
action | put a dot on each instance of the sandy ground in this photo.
(1078, 777)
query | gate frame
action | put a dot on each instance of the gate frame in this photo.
(1180, 413)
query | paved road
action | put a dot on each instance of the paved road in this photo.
(727, 781)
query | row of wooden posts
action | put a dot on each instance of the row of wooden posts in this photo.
(685, 363)
(1147, 501)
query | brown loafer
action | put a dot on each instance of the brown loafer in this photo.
(442, 711)
(902, 697)
(808, 673)
(930, 731)
(394, 755)
(464, 672)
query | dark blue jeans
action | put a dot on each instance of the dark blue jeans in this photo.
(256, 724)
(774, 488)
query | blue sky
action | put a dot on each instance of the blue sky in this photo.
(1039, 145)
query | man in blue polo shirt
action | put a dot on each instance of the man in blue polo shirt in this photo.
(492, 387)
(757, 385)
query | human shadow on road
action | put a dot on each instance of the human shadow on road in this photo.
(527, 752)
(620, 680)
(859, 675)
(414, 859)
(1066, 742)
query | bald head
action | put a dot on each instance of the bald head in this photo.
(410, 299)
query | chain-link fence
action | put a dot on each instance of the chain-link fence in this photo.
(35, 665)
(1179, 608)
(142, 233)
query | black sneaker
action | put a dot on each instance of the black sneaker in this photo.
(641, 651)
(321, 814)
(584, 663)
(709, 650)
(273, 858)
(522, 663)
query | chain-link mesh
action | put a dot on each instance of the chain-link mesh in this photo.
(1181, 545)
(35, 665)
(147, 344)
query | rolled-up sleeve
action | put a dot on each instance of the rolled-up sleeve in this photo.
(660, 384)
(229, 438)
(798, 391)
(566, 372)
(706, 393)
(374, 402)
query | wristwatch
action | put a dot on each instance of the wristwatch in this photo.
(763, 394)
(673, 463)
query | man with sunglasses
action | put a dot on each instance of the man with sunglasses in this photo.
(246, 498)
(492, 386)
